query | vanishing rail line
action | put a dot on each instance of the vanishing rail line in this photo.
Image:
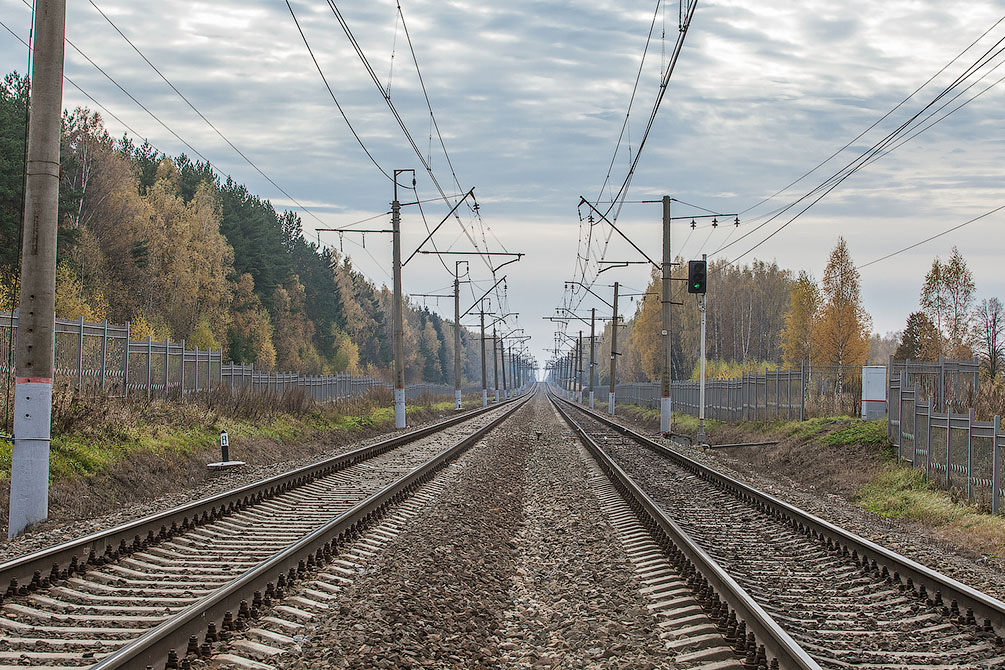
(813, 594)
(151, 592)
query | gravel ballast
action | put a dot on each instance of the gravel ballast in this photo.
(517, 566)
(911, 539)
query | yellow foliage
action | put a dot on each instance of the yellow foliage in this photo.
(804, 305)
(140, 328)
(841, 333)
(719, 369)
(202, 336)
(646, 337)
(71, 303)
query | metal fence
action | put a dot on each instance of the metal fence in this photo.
(771, 395)
(102, 358)
(950, 384)
(956, 451)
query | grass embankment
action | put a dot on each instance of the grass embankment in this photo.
(855, 460)
(106, 452)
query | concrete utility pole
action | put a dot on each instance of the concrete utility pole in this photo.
(396, 316)
(701, 437)
(502, 365)
(593, 360)
(495, 362)
(581, 387)
(29, 481)
(667, 260)
(457, 334)
(485, 393)
(614, 353)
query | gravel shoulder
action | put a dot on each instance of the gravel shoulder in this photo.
(516, 567)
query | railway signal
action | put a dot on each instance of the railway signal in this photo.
(697, 276)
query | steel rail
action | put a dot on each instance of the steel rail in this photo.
(777, 643)
(154, 647)
(925, 580)
(30, 572)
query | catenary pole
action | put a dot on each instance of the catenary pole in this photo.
(457, 334)
(495, 363)
(665, 378)
(485, 393)
(593, 360)
(580, 387)
(614, 354)
(29, 482)
(396, 312)
(502, 365)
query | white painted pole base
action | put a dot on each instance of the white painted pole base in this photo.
(457, 399)
(29, 479)
(591, 399)
(485, 398)
(610, 404)
(664, 415)
(399, 408)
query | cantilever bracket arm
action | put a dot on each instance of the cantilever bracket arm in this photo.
(475, 303)
(583, 200)
(619, 264)
(430, 235)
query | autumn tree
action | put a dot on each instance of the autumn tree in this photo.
(841, 334)
(947, 297)
(804, 305)
(989, 320)
(249, 337)
(921, 340)
(646, 336)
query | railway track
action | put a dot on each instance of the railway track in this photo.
(809, 594)
(158, 592)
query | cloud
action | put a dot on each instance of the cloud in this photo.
(530, 97)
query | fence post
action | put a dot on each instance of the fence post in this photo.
(928, 439)
(104, 351)
(949, 443)
(80, 353)
(196, 378)
(995, 473)
(219, 378)
(150, 351)
(802, 390)
(181, 375)
(125, 364)
(167, 366)
(970, 454)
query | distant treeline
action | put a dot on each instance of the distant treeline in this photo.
(165, 244)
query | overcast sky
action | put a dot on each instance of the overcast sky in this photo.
(530, 97)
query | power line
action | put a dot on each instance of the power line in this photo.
(201, 115)
(880, 148)
(332, 93)
(929, 239)
(876, 122)
(394, 111)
